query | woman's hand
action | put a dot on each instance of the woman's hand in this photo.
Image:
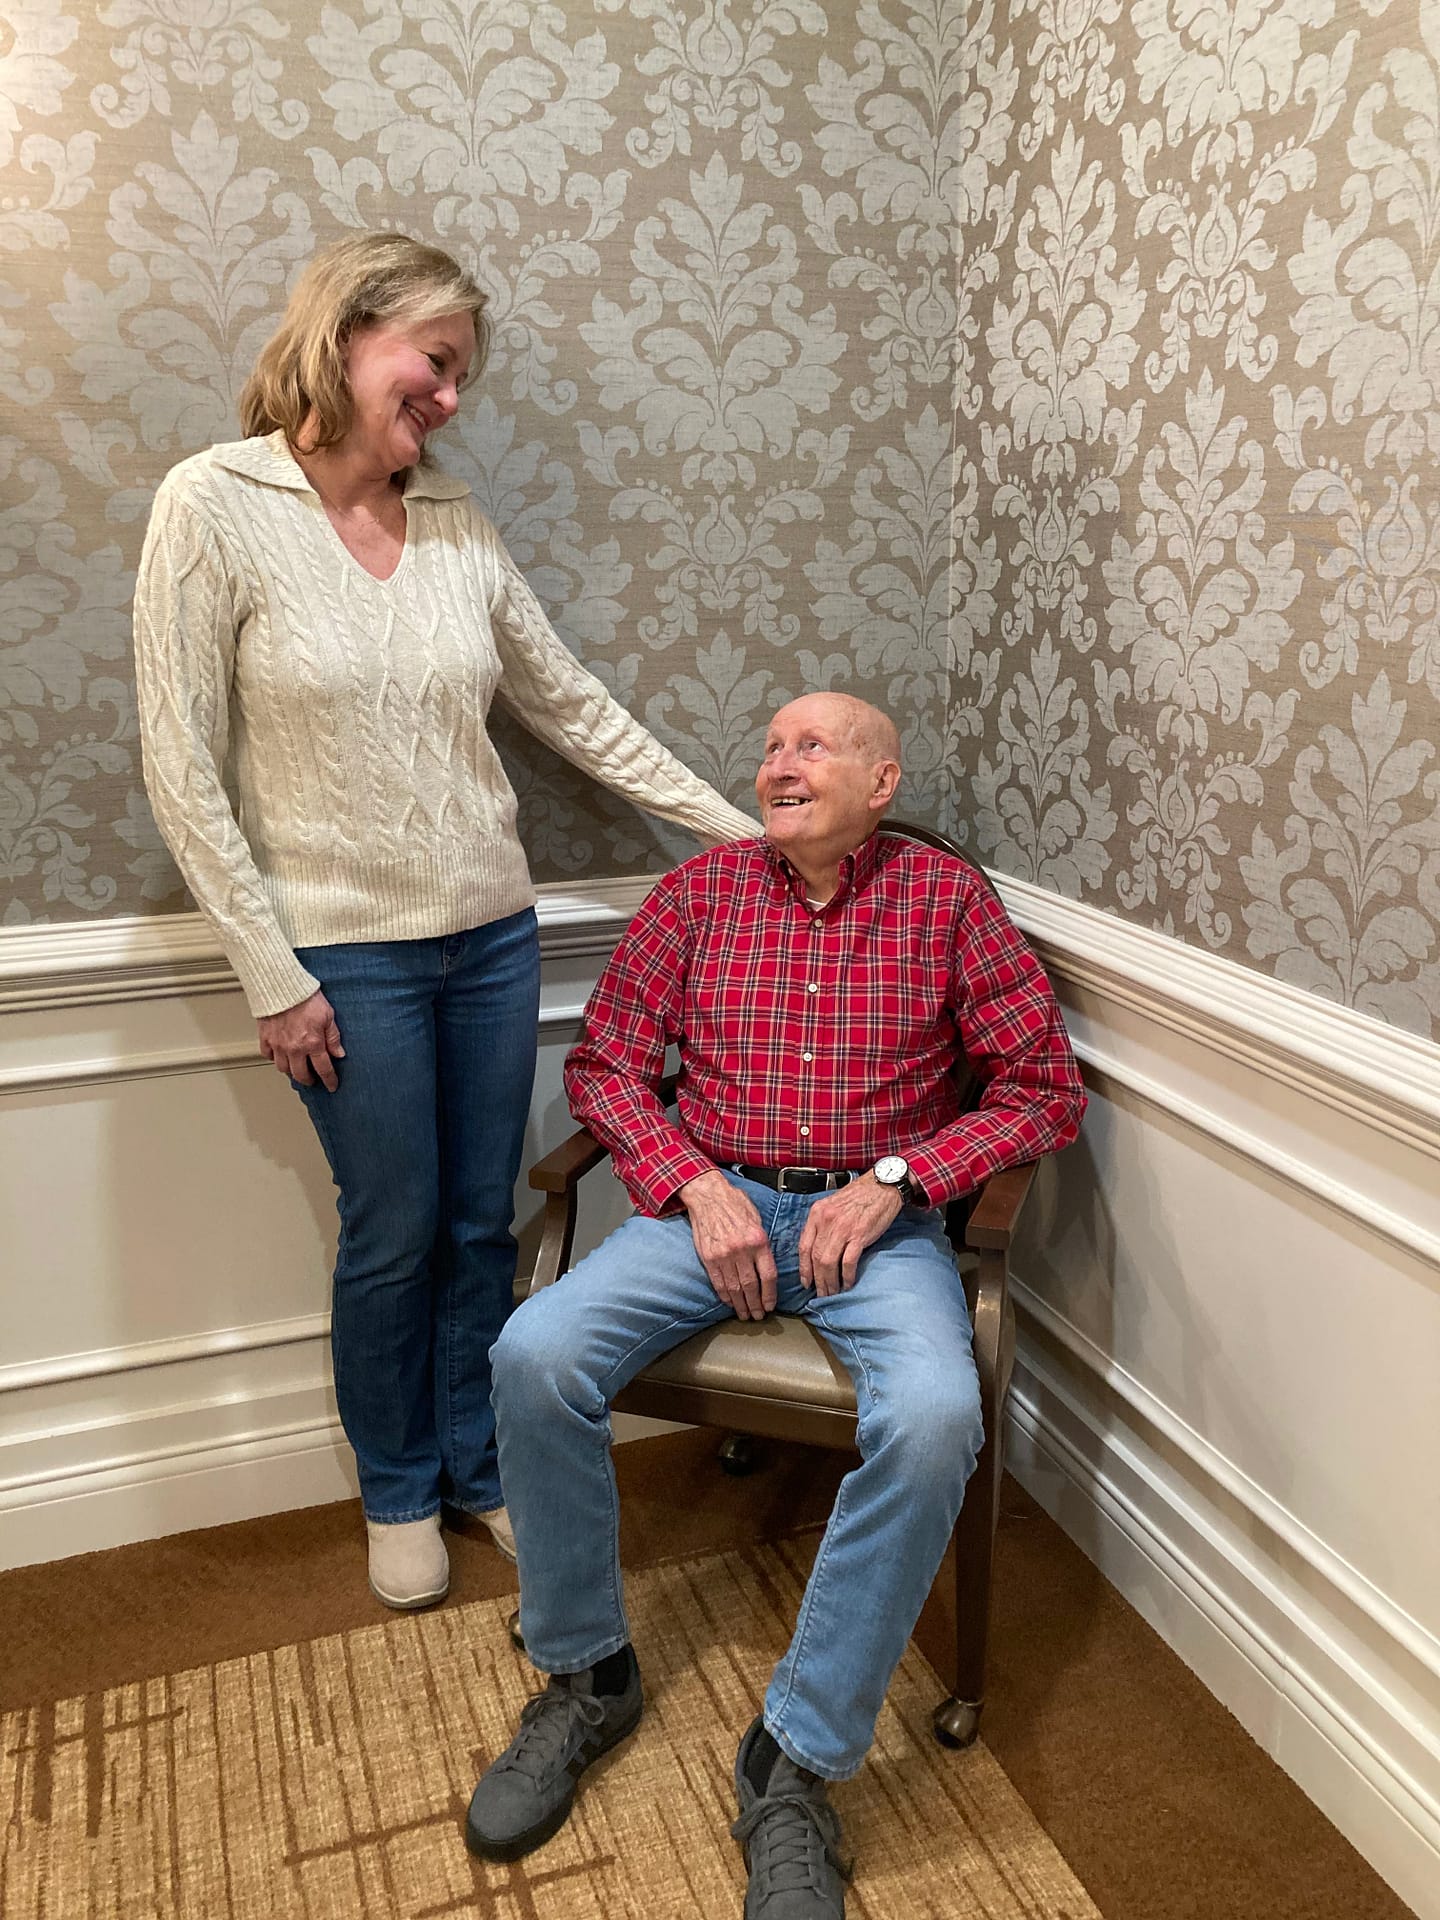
(303, 1037)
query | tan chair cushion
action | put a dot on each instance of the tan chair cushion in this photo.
(776, 1359)
(779, 1358)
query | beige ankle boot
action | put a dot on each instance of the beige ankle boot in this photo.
(500, 1530)
(409, 1566)
(494, 1525)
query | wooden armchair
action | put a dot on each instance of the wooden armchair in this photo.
(776, 1379)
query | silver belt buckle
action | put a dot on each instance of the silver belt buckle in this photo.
(813, 1172)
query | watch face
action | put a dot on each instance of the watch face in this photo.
(892, 1170)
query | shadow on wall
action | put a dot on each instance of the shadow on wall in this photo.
(219, 1196)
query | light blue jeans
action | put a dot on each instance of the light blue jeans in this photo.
(424, 1137)
(903, 1334)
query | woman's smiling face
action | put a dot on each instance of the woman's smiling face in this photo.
(405, 381)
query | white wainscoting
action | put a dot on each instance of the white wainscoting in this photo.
(169, 1231)
(1228, 1389)
(1229, 1382)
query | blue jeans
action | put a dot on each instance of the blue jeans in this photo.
(902, 1333)
(424, 1137)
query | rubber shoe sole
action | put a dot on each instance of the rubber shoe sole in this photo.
(518, 1845)
(411, 1603)
(408, 1566)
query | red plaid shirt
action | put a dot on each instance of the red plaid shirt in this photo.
(824, 1038)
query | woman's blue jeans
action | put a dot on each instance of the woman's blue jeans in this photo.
(903, 1335)
(424, 1137)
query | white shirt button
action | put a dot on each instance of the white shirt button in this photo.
(807, 1056)
(804, 1133)
(813, 987)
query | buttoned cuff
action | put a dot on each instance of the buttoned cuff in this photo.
(942, 1179)
(655, 1187)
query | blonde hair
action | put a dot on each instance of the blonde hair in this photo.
(369, 279)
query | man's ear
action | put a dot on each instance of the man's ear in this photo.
(887, 780)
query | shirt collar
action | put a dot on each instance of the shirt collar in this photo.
(267, 458)
(856, 870)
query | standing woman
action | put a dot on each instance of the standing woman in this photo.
(322, 620)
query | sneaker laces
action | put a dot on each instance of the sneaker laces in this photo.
(547, 1722)
(801, 1831)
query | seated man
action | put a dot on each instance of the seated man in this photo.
(821, 984)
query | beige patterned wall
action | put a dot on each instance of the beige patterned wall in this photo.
(716, 427)
(1198, 661)
(1060, 372)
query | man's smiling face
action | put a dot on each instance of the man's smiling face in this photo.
(823, 781)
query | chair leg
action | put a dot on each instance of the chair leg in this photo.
(956, 1723)
(739, 1454)
(957, 1719)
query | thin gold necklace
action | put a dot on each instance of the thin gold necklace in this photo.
(349, 513)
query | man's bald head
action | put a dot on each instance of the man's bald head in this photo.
(868, 732)
(830, 769)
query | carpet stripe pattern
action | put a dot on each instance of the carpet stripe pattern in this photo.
(328, 1781)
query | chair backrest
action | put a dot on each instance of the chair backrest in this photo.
(932, 837)
(957, 1213)
(927, 836)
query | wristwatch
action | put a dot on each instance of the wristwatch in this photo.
(891, 1170)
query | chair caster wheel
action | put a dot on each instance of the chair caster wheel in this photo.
(738, 1455)
(957, 1722)
(512, 1627)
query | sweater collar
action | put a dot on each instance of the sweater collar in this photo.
(268, 458)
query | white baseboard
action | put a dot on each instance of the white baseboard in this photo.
(180, 1485)
(1355, 1750)
(266, 1471)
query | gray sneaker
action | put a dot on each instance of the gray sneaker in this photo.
(791, 1836)
(525, 1796)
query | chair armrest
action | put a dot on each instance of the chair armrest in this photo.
(993, 1217)
(558, 1176)
(566, 1165)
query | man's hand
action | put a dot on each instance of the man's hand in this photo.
(303, 1037)
(731, 1243)
(840, 1228)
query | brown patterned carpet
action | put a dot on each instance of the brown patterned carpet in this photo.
(327, 1781)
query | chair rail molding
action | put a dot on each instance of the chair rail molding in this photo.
(1351, 1062)
(78, 963)
(1355, 1064)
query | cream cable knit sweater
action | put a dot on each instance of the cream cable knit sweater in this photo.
(314, 739)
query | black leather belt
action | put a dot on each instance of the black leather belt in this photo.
(797, 1179)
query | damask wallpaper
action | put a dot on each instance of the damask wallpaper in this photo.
(1061, 373)
(715, 429)
(1196, 645)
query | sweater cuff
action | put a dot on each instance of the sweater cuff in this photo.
(271, 978)
(726, 823)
